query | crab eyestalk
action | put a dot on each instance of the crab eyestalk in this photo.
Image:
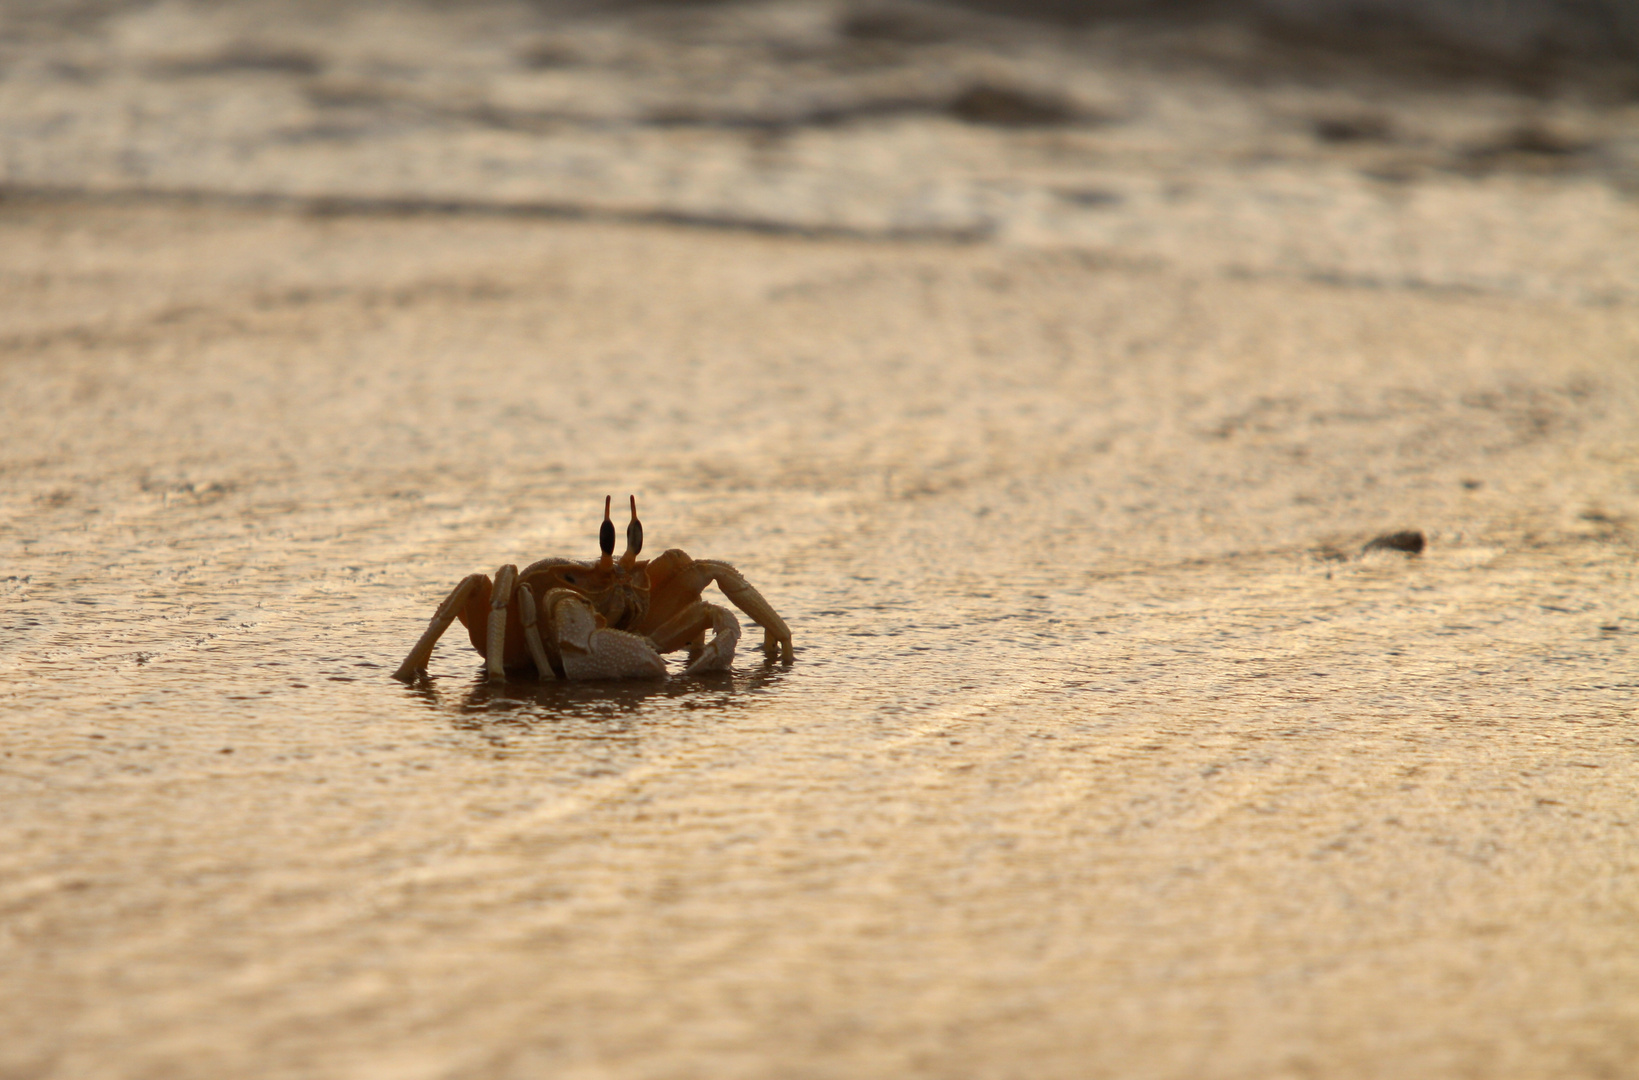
(606, 536)
(634, 539)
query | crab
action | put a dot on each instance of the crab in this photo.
(608, 619)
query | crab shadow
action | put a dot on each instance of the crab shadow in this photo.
(523, 701)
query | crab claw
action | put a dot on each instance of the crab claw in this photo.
(718, 653)
(590, 651)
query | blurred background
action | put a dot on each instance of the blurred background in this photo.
(1362, 140)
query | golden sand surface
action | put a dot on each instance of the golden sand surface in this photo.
(1106, 751)
(1111, 747)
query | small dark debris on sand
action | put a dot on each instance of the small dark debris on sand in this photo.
(1410, 541)
(1008, 106)
(1355, 128)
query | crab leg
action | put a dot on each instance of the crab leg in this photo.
(495, 652)
(688, 627)
(416, 663)
(776, 635)
(532, 633)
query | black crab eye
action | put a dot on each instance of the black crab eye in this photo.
(606, 533)
(634, 532)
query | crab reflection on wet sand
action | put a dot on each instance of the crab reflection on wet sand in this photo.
(609, 619)
(480, 705)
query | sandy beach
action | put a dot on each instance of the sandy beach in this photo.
(1056, 423)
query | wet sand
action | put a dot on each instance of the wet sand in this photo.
(1107, 749)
